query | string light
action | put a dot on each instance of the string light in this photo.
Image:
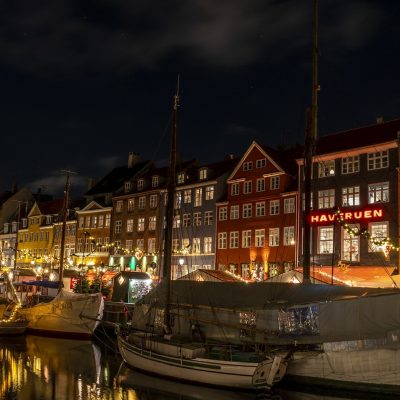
(386, 244)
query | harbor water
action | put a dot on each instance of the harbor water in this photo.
(42, 368)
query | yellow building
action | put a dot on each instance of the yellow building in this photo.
(36, 245)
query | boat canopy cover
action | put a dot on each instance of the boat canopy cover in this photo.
(279, 312)
(257, 295)
(47, 284)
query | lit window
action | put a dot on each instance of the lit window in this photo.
(119, 206)
(208, 245)
(131, 204)
(326, 198)
(288, 235)
(198, 194)
(152, 223)
(325, 240)
(351, 244)
(209, 192)
(197, 219)
(129, 225)
(187, 196)
(181, 177)
(203, 173)
(196, 245)
(140, 224)
(378, 193)
(273, 237)
(234, 212)
(326, 168)
(378, 232)
(351, 196)
(288, 205)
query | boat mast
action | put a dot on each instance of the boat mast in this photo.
(64, 214)
(309, 151)
(170, 214)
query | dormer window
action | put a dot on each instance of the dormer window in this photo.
(48, 219)
(154, 181)
(140, 184)
(5, 228)
(14, 227)
(127, 187)
(181, 177)
(203, 173)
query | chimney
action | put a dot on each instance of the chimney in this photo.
(133, 159)
(379, 120)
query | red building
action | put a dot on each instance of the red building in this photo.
(256, 224)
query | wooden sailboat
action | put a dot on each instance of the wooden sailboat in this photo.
(186, 357)
(68, 314)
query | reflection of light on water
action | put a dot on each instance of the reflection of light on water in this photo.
(11, 368)
(80, 391)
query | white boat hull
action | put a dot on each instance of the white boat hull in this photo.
(375, 369)
(69, 316)
(230, 374)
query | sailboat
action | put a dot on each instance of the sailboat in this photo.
(70, 315)
(173, 348)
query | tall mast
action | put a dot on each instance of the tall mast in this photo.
(309, 151)
(64, 215)
(170, 214)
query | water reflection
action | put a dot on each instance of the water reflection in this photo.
(34, 367)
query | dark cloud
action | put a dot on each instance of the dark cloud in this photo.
(75, 37)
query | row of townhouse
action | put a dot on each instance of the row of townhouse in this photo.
(242, 215)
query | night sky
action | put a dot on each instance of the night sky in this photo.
(82, 83)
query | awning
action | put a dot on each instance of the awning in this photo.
(47, 284)
(362, 276)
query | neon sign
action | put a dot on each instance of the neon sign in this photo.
(366, 215)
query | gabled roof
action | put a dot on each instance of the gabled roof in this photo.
(116, 178)
(359, 137)
(50, 207)
(283, 160)
(93, 205)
